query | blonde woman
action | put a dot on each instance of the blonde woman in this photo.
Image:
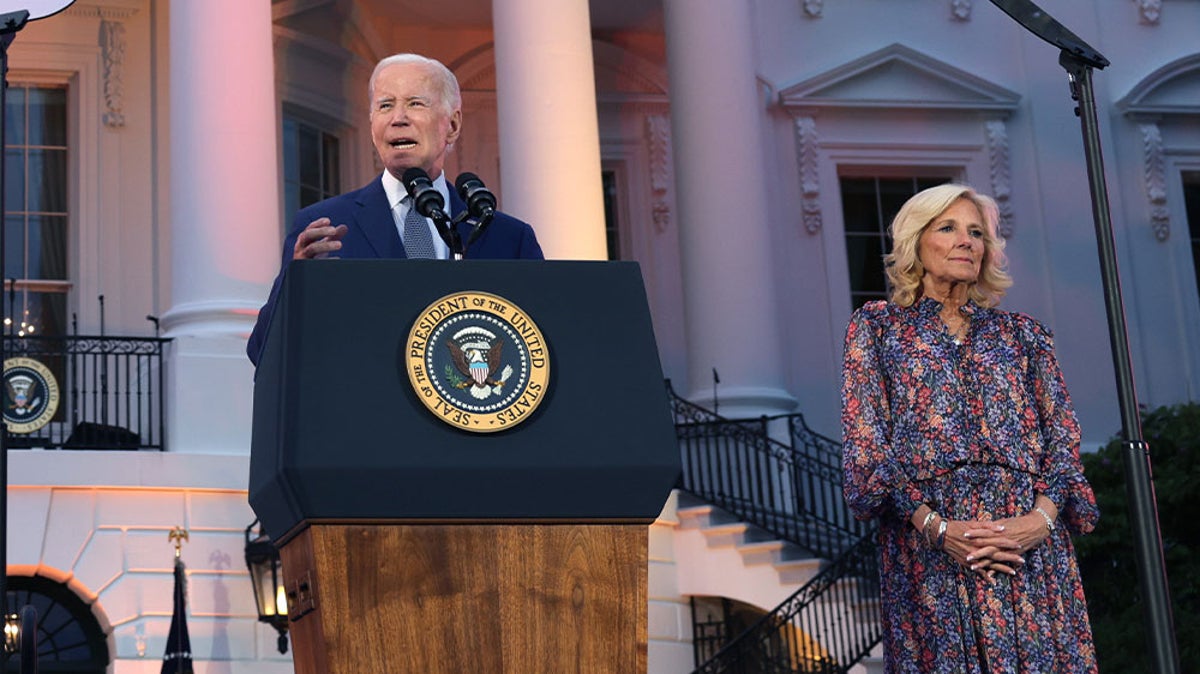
(960, 439)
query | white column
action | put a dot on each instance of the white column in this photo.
(549, 131)
(729, 303)
(224, 214)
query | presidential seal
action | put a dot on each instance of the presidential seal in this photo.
(30, 395)
(477, 361)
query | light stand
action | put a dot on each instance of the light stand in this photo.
(1079, 58)
(10, 23)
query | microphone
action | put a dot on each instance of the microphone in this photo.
(425, 197)
(481, 203)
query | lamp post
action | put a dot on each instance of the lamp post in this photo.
(266, 575)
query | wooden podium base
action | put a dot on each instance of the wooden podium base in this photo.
(479, 598)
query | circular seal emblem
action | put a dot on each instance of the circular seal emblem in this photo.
(478, 362)
(30, 395)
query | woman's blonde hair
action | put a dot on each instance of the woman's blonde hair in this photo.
(903, 264)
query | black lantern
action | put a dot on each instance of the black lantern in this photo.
(266, 574)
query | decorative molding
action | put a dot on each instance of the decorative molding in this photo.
(106, 12)
(898, 77)
(813, 8)
(960, 10)
(112, 43)
(1156, 179)
(658, 142)
(1001, 170)
(1149, 11)
(807, 146)
(1166, 91)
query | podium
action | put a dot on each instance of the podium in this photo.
(419, 539)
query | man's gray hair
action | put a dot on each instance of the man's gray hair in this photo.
(451, 98)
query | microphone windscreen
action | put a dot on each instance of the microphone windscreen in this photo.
(411, 176)
(465, 179)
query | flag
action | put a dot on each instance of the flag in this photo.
(178, 657)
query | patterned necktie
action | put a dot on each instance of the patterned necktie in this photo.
(418, 242)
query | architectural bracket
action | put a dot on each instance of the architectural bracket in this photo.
(807, 146)
(1001, 171)
(658, 140)
(112, 43)
(1155, 178)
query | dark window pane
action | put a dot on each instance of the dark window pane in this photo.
(309, 196)
(48, 247)
(926, 183)
(14, 121)
(859, 207)
(869, 204)
(47, 181)
(1191, 204)
(14, 247)
(291, 150)
(310, 157)
(47, 117)
(311, 166)
(291, 201)
(331, 165)
(14, 179)
(612, 233)
(893, 192)
(864, 258)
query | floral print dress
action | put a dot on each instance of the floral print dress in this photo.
(975, 430)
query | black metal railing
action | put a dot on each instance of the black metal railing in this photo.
(111, 392)
(793, 491)
(825, 627)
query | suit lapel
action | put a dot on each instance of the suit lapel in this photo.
(374, 215)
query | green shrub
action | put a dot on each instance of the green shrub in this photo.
(1106, 556)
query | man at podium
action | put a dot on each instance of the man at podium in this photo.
(416, 116)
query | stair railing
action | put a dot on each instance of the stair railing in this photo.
(825, 627)
(794, 492)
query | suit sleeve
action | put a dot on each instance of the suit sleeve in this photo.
(258, 337)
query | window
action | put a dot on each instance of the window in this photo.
(35, 210)
(868, 206)
(311, 166)
(1191, 200)
(69, 638)
(612, 232)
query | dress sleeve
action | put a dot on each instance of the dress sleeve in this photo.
(873, 484)
(1062, 479)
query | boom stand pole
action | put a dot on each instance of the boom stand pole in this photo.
(1079, 58)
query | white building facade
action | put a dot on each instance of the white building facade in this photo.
(744, 152)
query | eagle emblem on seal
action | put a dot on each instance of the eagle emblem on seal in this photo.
(477, 355)
(22, 390)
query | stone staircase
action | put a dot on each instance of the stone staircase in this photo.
(749, 563)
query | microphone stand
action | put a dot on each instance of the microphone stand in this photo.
(449, 232)
(1079, 58)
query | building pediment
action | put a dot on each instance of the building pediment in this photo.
(1173, 88)
(898, 77)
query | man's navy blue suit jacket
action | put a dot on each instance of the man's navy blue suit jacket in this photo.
(373, 235)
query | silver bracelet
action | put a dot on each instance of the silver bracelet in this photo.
(932, 514)
(1046, 516)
